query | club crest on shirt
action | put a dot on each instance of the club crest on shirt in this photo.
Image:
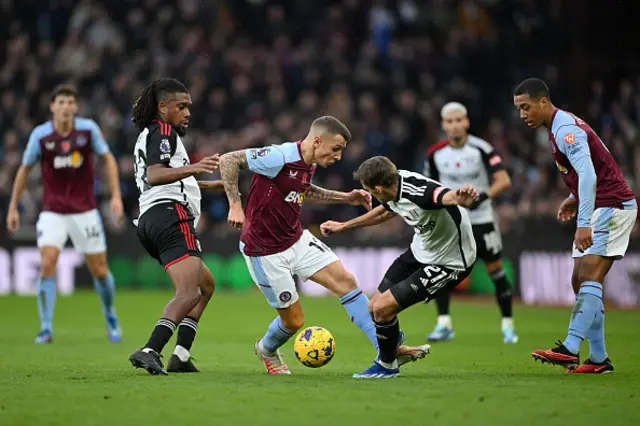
(81, 140)
(165, 147)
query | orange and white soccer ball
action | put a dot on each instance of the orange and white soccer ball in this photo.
(314, 347)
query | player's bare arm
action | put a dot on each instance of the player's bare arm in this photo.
(162, 174)
(501, 184)
(357, 197)
(19, 185)
(113, 179)
(230, 166)
(211, 185)
(374, 217)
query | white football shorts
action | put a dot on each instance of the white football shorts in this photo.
(84, 229)
(273, 274)
(611, 231)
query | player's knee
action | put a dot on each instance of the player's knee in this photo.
(100, 271)
(208, 283)
(383, 312)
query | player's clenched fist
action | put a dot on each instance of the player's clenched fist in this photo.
(331, 227)
(13, 220)
(208, 164)
(236, 216)
(584, 239)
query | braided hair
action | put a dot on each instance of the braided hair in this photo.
(145, 107)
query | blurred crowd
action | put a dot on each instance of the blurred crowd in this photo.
(260, 71)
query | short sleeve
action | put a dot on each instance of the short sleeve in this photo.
(160, 147)
(98, 143)
(267, 161)
(428, 196)
(573, 142)
(32, 152)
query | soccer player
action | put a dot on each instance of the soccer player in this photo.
(64, 146)
(169, 212)
(276, 247)
(441, 255)
(464, 158)
(606, 210)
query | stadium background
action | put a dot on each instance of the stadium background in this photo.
(260, 71)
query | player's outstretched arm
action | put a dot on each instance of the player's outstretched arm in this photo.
(211, 185)
(19, 184)
(162, 174)
(374, 217)
(357, 197)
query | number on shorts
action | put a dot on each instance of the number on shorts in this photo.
(92, 232)
(319, 245)
(492, 241)
(430, 269)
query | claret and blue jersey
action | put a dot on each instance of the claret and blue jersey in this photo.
(67, 164)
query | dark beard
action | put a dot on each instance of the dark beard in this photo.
(181, 131)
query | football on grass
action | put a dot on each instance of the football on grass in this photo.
(314, 347)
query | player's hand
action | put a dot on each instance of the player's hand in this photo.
(584, 239)
(236, 216)
(117, 208)
(13, 220)
(567, 209)
(207, 164)
(360, 197)
(479, 200)
(330, 227)
(466, 196)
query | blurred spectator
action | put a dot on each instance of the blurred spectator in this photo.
(261, 70)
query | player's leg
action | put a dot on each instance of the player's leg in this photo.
(87, 235)
(52, 236)
(273, 277)
(504, 297)
(167, 233)
(181, 361)
(443, 330)
(587, 319)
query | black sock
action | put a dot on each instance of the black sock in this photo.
(161, 334)
(503, 293)
(387, 334)
(187, 332)
(443, 299)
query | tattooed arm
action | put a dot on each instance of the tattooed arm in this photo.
(357, 197)
(230, 165)
(318, 195)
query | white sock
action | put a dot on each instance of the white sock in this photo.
(445, 321)
(262, 349)
(182, 353)
(147, 350)
(389, 365)
(507, 322)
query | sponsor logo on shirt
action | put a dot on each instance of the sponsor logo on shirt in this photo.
(50, 145)
(569, 138)
(74, 160)
(66, 146)
(295, 197)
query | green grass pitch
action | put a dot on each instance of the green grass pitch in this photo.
(81, 379)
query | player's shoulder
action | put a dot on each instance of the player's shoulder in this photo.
(42, 130)
(412, 179)
(289, 151)
(437, 147)
(83, 123)
(480, 144)
(567, 126)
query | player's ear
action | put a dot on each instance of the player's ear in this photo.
(162, 107)
(317, 141)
